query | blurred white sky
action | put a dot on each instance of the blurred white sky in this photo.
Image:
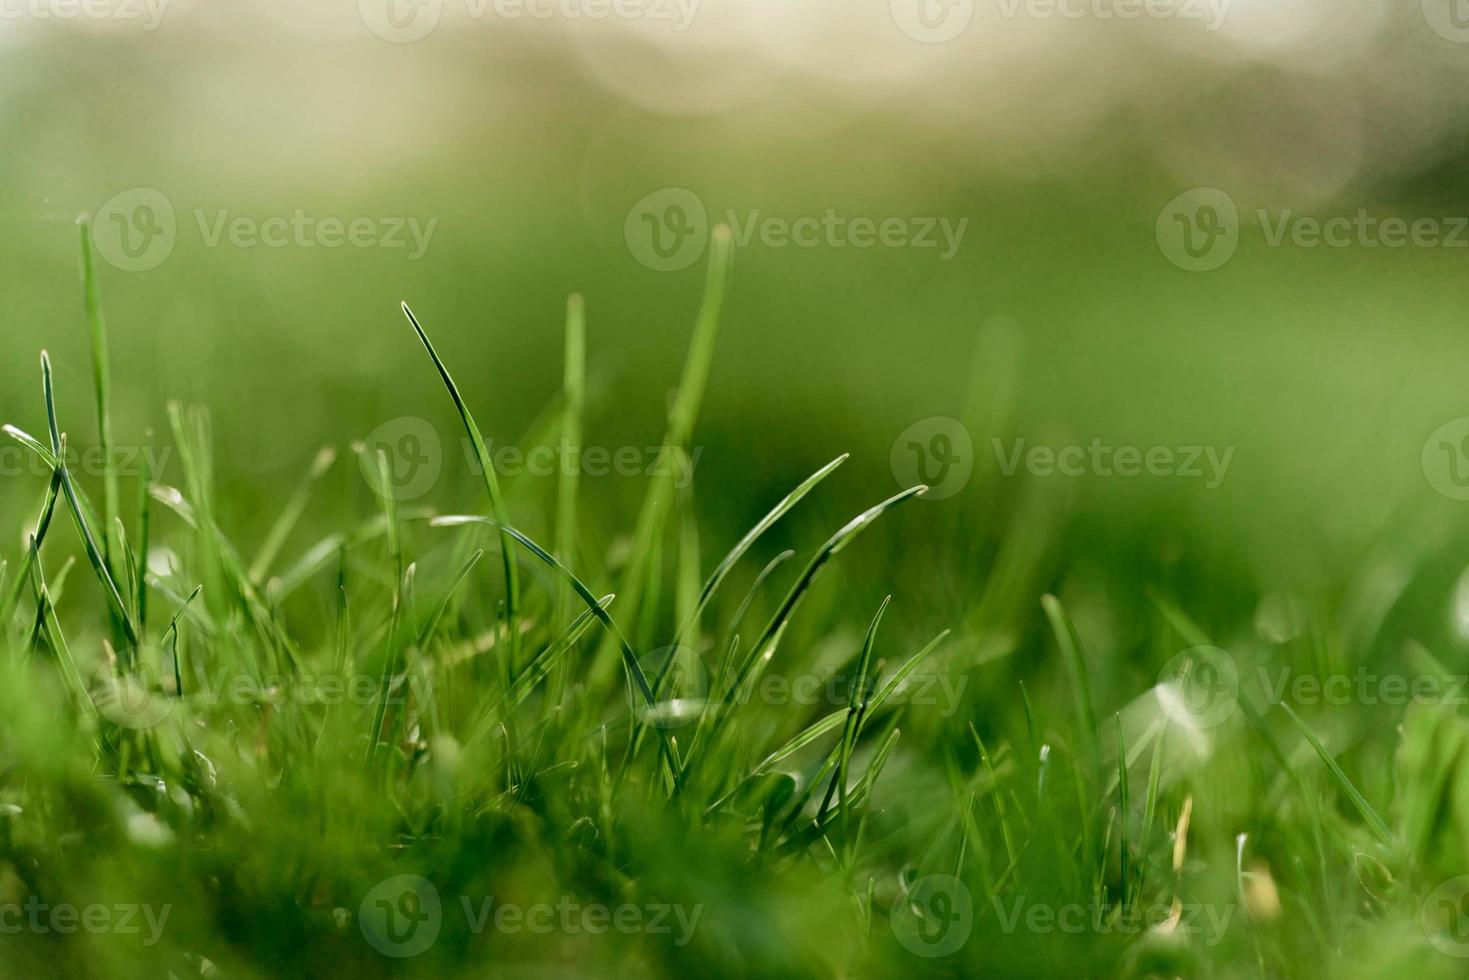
(1287, 102)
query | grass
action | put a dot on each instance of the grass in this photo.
(346, 755)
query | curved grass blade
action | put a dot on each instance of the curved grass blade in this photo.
(492, 488)
(629, 658)
(769, 639)
(716, 578)
(89, 542)
(859, 696)
(431, 624)
(764, 648)
(22, 574)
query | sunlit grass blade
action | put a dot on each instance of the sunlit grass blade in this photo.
(101, 384)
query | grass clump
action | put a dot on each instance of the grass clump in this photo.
(433, 743)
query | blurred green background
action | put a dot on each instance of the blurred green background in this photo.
(528, 141)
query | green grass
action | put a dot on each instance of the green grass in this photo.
(510, 726)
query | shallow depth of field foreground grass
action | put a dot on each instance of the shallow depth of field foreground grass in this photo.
(418, 740)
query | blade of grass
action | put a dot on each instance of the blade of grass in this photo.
(111, 500)
(289, 515)
(685, 409)
(89, 543)
(492, 489)
(716, 578)
(1375, 822)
